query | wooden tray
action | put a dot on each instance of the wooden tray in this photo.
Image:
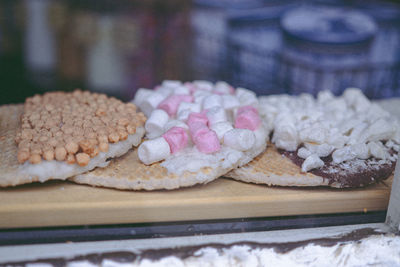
(59, 203)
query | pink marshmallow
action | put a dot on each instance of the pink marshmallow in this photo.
(177, 138)
(247, 118)
(191, 86)
(197, 117)
(207, 142)
(247, 109)
(171, 103)
(197, 128)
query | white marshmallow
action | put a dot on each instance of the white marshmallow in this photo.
(240, 92)
(154, 150)
(343, 154)
(165, 91)
(311, 162)
(375, 112)
(356, 99)
(239, 139)
(356, 135)
(322, 150)
(246, 97)
(215, 115)
(141, 95)
(389, 144)
(315, 134)
(155, 123)
(380, 130)
(377, 150)
(204, 85)
(222, 87)
(361, 150)
(324, 96)
(221, 128)
(151, 103)
(230, 102)
(212, 101)
(171, 83)
(183, 115)
(199, 96)
(337, 140)
(181, 90)
(303, 153)
(175, 123)
(286, 137)
(262, 136)
(192, 107)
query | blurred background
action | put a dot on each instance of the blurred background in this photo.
(269, 46)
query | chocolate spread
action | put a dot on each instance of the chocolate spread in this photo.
(368, 172)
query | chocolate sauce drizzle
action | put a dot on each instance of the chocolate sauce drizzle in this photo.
(190, 251)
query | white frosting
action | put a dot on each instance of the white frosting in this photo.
(155, 123)
(348, 126)
(240, 139)
(153, 150)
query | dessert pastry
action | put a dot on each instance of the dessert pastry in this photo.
(344, 141)
(58, 135)
(195, 133)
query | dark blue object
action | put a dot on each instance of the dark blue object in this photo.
(328, 26)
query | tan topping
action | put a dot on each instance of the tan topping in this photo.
(103, 146)
(48, 154)
(62, 125)
(72, 147)
(60, 153)
(71, 159)
(113, 137)
(35, 159)
(23, 156)
(82, 159)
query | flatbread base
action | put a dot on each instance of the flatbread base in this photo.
(13, 173)
(129, 173)
(273, 169)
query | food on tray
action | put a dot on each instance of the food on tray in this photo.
(196, 132)
(59, 135)
(344, 141)
(363, 247)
